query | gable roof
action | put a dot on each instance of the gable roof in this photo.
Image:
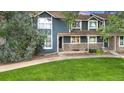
(104, 15)
(59, 14)
(101, 16)
(55, 14)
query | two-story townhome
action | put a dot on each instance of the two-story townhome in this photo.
(83, 35)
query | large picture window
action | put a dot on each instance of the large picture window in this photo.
(45, 24)
(122, 41)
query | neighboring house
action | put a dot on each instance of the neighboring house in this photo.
(83, 36)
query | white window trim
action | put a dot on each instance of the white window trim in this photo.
(47, 13)
(75, 43)
(93, 15)
(119, 42)
(51, 47)
(92, 21)
(80, 25)
(93, 42)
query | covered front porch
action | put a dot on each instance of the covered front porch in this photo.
(83, 41)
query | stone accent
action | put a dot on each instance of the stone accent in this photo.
(81, 47)
(96, 45)
(71, 47)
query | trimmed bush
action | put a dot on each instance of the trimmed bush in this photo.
(92, 50)
(22, 39)
(99, 52)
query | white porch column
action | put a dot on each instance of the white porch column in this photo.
(88, 43)
(103, 47)
(62, 42)
(57, 43)
(115, 43)
(104, 23)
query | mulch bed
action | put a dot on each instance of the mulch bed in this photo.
(34, 58)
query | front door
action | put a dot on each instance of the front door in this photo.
(106, 43)
(60, 42)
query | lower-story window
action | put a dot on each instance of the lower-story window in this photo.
(75, 39)
(92, 39)
(122, 41)
(48, 41)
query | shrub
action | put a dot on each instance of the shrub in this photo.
(99, 52)
(92, 50)
(22, 39)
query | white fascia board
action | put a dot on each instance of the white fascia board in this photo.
(46, 12)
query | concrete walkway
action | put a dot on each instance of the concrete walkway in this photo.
(46, 60)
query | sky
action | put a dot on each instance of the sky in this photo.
(97, 12)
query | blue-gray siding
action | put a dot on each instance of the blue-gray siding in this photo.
(84, 25)
(59, 25)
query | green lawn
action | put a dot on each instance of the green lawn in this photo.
(75, 69)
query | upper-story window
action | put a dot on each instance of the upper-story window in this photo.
(44, 23)
(93, 24)
(77, 25)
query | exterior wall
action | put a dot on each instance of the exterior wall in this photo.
(58, 25)
(44, 15)
(111, 43)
